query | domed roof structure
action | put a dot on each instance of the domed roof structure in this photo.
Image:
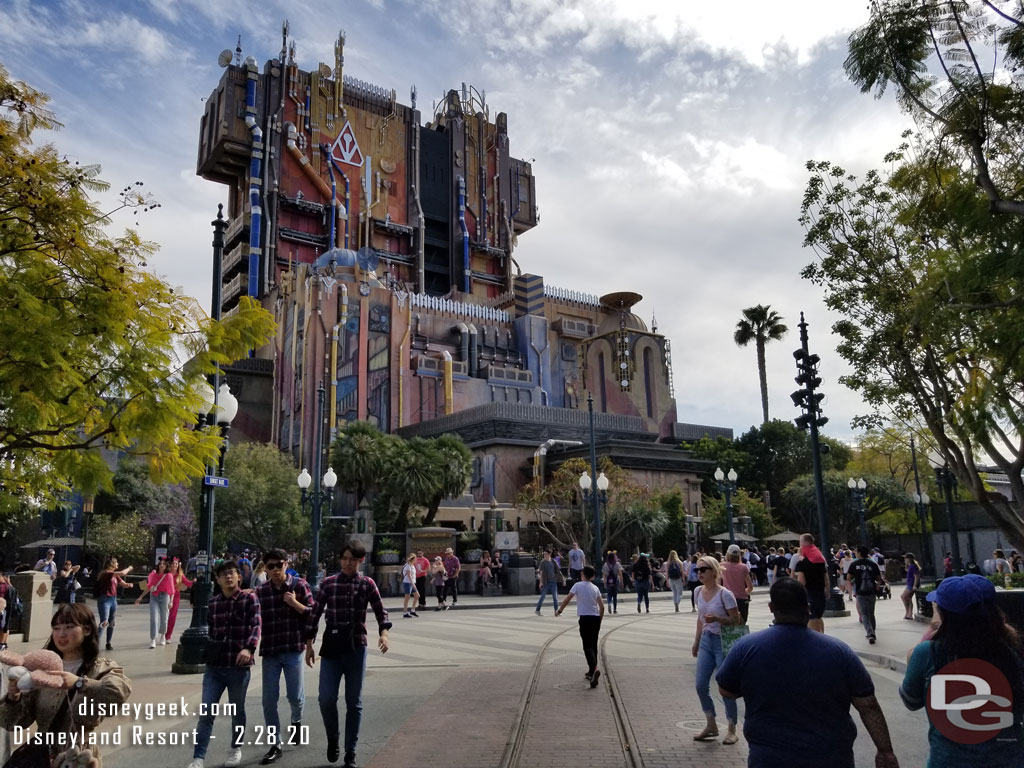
(618, 304)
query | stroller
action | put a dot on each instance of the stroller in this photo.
(884, 592)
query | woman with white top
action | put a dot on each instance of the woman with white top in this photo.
(716, 607)
(160, 588)
(409, 587)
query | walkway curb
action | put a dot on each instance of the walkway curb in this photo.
(882, 660)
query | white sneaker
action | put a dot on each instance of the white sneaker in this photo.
(197, 762)
(152, 643)
(163, 639)
(233, 758)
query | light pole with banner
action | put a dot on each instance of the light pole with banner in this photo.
(317, 497)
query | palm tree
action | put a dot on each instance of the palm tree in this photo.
(760, 325)
(454, 471)
(415, 476)
(359, 455)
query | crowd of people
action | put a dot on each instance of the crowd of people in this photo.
(269, 610)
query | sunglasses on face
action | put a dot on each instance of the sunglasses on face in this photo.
(274, 566)
(704, 568)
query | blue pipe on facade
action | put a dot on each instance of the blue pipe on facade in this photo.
(255, 178)
(307, 110)
(334, 194)
(465, 234)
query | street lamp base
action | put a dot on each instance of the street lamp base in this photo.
(835, 605)
(189, 657)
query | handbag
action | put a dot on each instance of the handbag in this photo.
(338, 640)
(730, 634)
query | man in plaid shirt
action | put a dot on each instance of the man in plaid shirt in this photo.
(284, 601)
(343, 599)
(234, 618)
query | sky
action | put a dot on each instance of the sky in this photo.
(668, 140)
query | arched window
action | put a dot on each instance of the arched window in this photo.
(648, 385)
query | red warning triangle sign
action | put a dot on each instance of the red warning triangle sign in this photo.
(345, 148)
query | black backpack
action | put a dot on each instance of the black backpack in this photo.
(674, 571)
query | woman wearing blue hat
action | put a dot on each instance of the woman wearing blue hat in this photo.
(973, 633)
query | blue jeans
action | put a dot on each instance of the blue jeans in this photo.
(273, 666)
(107, 607)
(159, 605)
(351, 666)
(643, 590)
(677, 591)
(215, 680)
(552, 588)
(613, 597)
(709, 658)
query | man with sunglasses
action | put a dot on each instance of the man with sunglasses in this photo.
(343, 599)
(284, 601)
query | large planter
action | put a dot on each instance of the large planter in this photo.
(472, 555)
(388, 558)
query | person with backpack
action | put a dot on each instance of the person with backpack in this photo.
(693, 581)
(611, 572)
(674, 571)
(866, 579)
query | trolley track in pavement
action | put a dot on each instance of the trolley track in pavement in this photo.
(513, 753)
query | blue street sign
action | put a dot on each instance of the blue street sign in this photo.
(217, 482)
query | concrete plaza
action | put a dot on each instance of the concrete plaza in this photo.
(448, 691)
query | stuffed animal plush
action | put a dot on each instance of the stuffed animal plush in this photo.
(75, 758)
(36, 669)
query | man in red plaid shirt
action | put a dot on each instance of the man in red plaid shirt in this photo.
(343, 599)
(284, 601)
(234, 618)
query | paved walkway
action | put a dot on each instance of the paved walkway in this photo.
(449, 690)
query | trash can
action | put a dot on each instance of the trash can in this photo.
(522, 573)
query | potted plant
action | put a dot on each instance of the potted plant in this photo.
(387, 551)
(469, 541)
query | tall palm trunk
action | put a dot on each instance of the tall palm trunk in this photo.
(763, 375)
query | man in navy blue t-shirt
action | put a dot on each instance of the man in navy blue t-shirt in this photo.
(815, 728)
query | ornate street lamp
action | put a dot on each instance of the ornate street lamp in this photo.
(858, 490)
(219, 409)
(317, 497)
(600, 496)
(728, 488)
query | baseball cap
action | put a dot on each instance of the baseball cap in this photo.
(734, 549)
(962, 594)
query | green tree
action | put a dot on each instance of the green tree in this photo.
(670, 502)
(93, 343)
(360, 456)
(723, 452)
(454, 471)
(715, 520)
(124, 537)
(132, 490)
(934, 54)
(261, 506)
(883, 495)
(927, 283)
(760, 324)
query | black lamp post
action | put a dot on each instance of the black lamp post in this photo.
(947, 482)
(221, 408)
(591, 478)
(858, 490)
(727, 485)
(317, 497)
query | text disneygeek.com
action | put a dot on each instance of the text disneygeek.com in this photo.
(142, 735)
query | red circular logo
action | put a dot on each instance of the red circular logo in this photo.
(969, 701)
